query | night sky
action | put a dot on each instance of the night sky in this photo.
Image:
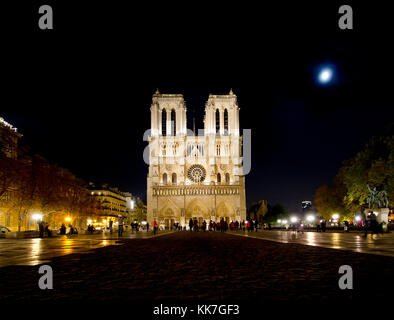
(81, 93)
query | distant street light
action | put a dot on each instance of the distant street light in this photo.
(358, 218)
(335, 216)
(37, 216)
(310, 218)
(279, 220)
(293, 219)
(68, 219)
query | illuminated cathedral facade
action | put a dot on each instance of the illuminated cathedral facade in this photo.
(195, 176)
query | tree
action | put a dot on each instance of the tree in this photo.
(274, 213)
(329, 199)
(139, 212)
(258, 210)
(373, 166)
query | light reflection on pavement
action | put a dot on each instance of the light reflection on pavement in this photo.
(373, 244)
(29, 252)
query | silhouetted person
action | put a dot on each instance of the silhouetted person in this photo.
(323, 226)
(120, 226)
(41, 228)
(48, 232)
(154, 226)
(110, 226)
(63, 229)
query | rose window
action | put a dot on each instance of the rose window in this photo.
(196, 173)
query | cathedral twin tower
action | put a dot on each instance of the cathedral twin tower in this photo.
(195, 176)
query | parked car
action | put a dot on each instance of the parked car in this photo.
(3, 231)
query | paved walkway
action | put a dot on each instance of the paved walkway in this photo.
(30, 252)
(373, 244)
(202, 267)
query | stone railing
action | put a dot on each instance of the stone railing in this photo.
(196, 190)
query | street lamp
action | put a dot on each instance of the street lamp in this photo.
(279, 221)
(68, 219)
(335, 216)
(293, 219)
(310, 218)
(37, 216)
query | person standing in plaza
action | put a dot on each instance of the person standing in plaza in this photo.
(120, 226)
(110, 226)
(147, 227)
(154, 226)
(346, 228)
(41, 228)
(318, 225)
(323, 226)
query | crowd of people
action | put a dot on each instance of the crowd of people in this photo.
(222, 225)
(369, 223)
(43, 228)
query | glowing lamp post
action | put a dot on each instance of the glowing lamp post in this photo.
(293, 219)
(37, 216)
(310, 218)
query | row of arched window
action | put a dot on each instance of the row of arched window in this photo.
(171, 150)
(173, 122)
(195, 150)
(226, 149)
(226, 177)
(174, 178)
(164, 122)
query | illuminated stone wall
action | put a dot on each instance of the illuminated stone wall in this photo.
(195, 176)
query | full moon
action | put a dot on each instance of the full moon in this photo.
(325, 75)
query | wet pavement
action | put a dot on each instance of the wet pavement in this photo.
(30, 252)
(356, 242)
(199, 267)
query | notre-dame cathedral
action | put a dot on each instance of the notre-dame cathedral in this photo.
(195, 176)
